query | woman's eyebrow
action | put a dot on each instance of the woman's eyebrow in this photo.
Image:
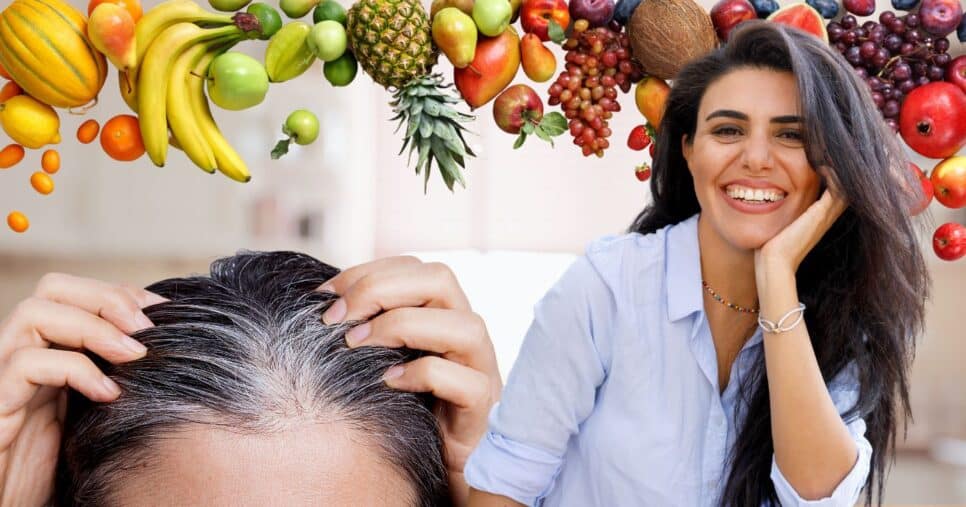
(737, 115)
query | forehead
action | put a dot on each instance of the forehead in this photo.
(310, 465)
(756, 92)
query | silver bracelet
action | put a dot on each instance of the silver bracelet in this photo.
(779, 327)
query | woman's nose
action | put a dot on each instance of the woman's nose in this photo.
(757, 153)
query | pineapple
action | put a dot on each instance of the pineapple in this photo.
(392, 41)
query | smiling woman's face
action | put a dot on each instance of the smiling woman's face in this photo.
(304, 465)
(747, 159)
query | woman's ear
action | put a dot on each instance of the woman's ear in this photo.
(686, 149)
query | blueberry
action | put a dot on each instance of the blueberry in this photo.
(961, 31)
(904, 5)
(624, 9)
(765, 8)
(827, 8)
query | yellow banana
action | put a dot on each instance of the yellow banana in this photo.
(152, 86)
(227, 160)
(151, 25)
(182, 84)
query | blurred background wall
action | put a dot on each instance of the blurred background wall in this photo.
(349, 198)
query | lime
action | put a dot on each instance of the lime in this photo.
(268, 17)
(329, 10)
(303, 126)
(342, 70)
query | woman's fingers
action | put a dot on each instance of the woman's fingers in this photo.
(38, 321)
(459, 385)
(30, 368)
(409, 284)
(118, 305)
(339, 283)
(457, 335)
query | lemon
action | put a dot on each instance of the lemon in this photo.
(30, 122)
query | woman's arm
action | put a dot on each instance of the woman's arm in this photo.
(813, 447)
(814, 450)
(484, 499)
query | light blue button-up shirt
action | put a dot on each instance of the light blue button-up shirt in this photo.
(614, 398)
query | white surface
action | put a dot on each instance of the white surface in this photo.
(502, 287)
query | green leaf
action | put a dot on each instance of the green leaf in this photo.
(281, 148)
(528, 128)
(556, 32)
(542, 134)
(554, 120)
(520, 140)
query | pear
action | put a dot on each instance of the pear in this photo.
(455, 34)
(111, 31)
(538, 62)
(438, 5)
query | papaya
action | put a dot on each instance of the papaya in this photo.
(801, 16)
(44, 48)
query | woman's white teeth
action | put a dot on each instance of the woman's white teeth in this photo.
(755, 194)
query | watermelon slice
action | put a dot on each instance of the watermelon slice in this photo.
(801, 16)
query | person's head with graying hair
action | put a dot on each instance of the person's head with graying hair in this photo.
(245, 395)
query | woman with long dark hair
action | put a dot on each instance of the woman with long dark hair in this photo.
(748, 342)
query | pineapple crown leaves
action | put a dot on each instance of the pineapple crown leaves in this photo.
(433, 128)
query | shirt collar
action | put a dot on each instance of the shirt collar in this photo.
(682, 276)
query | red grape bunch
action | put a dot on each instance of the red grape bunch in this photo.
(893, 56)
(598, 63)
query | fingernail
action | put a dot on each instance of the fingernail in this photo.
(142, 321)
(335, 313)
(393, 373)
(357, 334)
(327, 288)
(111, 388)
(154, 299)
(134, 345)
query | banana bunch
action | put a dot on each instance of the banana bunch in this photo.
(176, 42)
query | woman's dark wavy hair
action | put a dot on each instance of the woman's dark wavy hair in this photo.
(864, 284)
(245, 349)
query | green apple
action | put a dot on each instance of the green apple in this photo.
(327, 40)
(295, 9)
(492, 16)
(329, 9)
(237, 81)
(267, 17)
(228, 5)
(342, 70)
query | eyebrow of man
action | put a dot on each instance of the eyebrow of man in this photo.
(728, 113)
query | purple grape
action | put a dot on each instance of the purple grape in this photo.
(919, 69)
(835, 32)
(886, 90)
(849, 22)
(906, 86)
(849, 37)
(890, 109)
(942, 59)
(840, 47)
(854, 55)
(878, 34)
(881, 57)
(935, 73)
(897, 26)
(869, 25)
(901, 71)
(867, 49)
(861, 33)
(876, 84)
(896, 94)
(893, 42)
(862, 72)
(913, 36)
(941, 45)
(907, 49)
(922, 81)
(878, 99)
(912, 20)
(886, 17)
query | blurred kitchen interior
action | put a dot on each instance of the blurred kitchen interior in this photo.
(349, 198)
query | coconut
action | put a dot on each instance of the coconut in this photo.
(667, 34)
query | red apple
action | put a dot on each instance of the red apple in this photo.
(956, 72)
(535, 16)
(516, 106)
(940, 17)
(949, 241)
(927, 190)
(727, 14)
(949, 182)
(596, 12)
(933, 119)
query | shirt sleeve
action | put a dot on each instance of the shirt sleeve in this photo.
(551, 388)
(844, 390)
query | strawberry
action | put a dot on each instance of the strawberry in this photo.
(643, 172)
(638, 139)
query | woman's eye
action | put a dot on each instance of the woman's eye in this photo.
(794, 135)
(727, 131)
